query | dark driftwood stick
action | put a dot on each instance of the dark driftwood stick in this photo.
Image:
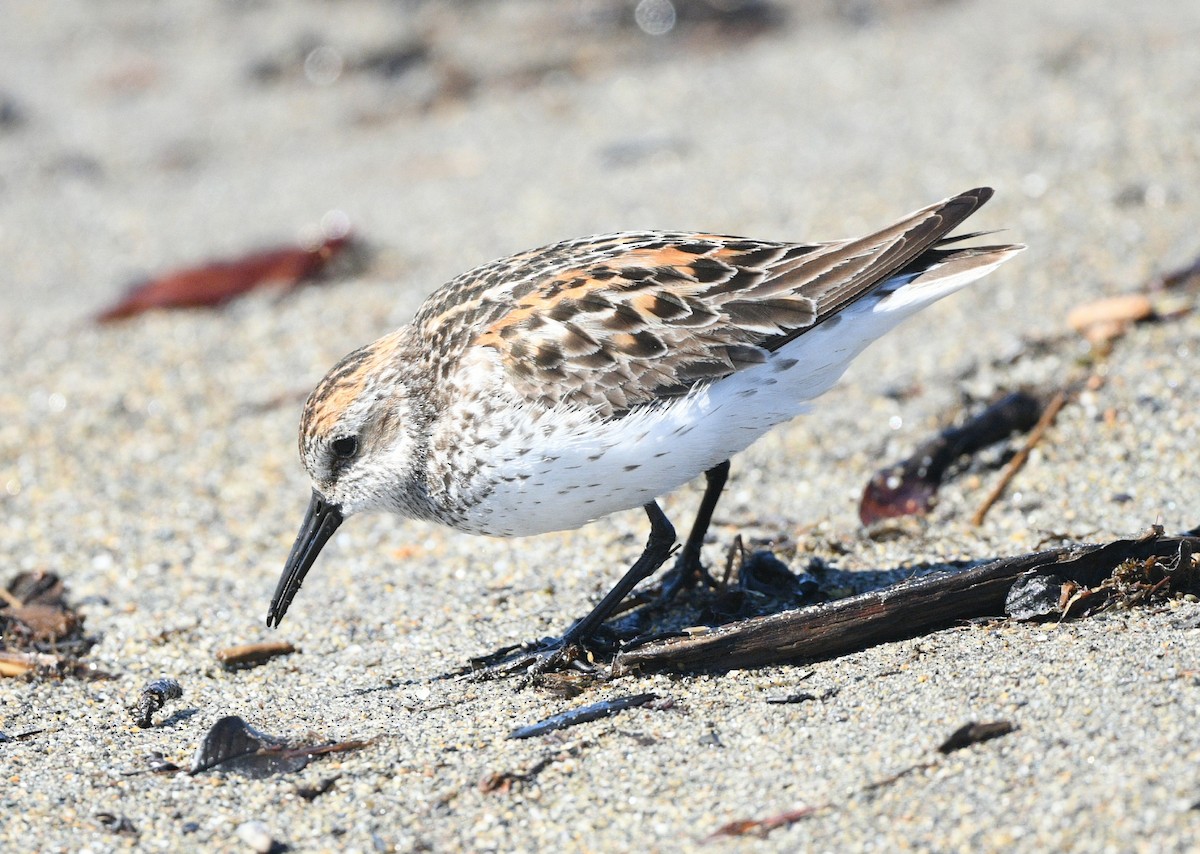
(901, 611)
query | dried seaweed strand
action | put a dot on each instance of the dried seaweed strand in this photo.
(1018, 461)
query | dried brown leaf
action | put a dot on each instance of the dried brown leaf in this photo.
(218, 282)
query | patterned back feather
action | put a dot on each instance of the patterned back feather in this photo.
(616, 321)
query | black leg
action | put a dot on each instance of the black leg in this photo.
(688, 569)
(658, 548)
(553, 652)
(689, 558)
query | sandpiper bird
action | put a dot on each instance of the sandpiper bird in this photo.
(545, 390)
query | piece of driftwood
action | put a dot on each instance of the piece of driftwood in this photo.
(901, 611)
(585, 714)
(247, 655)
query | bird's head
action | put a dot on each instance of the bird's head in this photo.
(358, 445)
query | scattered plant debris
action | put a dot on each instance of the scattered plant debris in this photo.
(910, 487)
(974, 733)
(1133, 581)
(218, 282)
(40, 635)
(233, 745)
(1104, 320)
(156, 764)
(504, 782)
(763, 826)
(582, 715)
(567, 684)
(802, 696)
(154, 696)
(250, 655)
(761, 583)
(311, 793)
(1018, 461)
(28, 664)
(899, 775)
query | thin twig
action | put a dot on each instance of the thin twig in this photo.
(1018, 462)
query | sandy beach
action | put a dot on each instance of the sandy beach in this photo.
(151, 463)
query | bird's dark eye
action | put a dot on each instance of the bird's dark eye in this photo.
(345, 447)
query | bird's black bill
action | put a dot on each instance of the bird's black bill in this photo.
(321, 520)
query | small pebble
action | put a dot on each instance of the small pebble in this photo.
(256, 835)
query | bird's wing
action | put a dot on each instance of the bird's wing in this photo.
(612, 322)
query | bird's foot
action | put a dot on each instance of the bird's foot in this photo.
(532, 660)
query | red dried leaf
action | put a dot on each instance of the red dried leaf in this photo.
(910, 487)
(902, 490)
(220, 281)
(763, 826)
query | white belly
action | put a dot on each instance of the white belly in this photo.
(560, 472)
(578, 470)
